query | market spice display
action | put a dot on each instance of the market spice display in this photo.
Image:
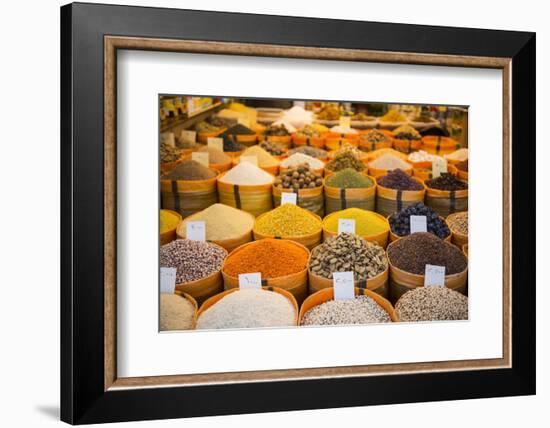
(299, 176)
(169, 153)
(446, 181)
(245, 173)
(168, 221)
(222, 222)
(249, 309)
(361, 310)
(399, 180)
(176, 312)
(432, 304)
(458, 222)
(349, 179)
(346, 159)
(348, 253)
(406, 132)
(190, 170)
(193, 259)
(400, 221)
(389, 162)
(367, 223)
(287, 220)
(375, 136)
(412, 253)
(273, 258)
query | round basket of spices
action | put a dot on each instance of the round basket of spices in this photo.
(202, 137)
(446, 194)
(406, 139)
(349, 253)
(247, 188)
(299, 159)
(336, 142)
(349, 189)
(169, 222)
(397, 190)
(178, 311)
(458, 223)
(306, 183)
(368, 307)
(425, 173)
(409, 256)
(264, 159)
(439, 145)
(375, 139)
(432, 304)
(388, 162)
(226, 226)
(400, 222)
(218, 160)
(282, 263)
(188, 188)
(462, 169)
(368, 225)
(291, 222)
(198, 266)
(249, 308)
(347, 157)
(241, 134)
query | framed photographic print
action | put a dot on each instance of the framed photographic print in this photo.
(274, 213)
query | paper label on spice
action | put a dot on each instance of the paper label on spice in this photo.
(439, 165)
(418, 223)
(195, 230)
(215, 143)
(243, 121)
(167, 280)
(250, 280)
(188, 136)
(251, 159)
(346, 225)
(344, 288)
(169, 139)
(200, 157)
(434, 276)
(288, 198)
(345, 121)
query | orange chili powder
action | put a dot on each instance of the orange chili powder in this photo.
(272, 257)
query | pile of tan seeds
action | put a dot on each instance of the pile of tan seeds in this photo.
(432, 304)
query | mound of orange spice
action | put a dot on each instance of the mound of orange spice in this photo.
(273, 258)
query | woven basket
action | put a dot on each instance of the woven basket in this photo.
(170, 235)
(389, 201)
(439, 145)
(309, 199)
(337, 199)
(327, 294)
(188, 196)
(459, 239)
(255, 199)
(446, 202)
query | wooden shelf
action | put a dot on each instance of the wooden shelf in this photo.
(185, 121)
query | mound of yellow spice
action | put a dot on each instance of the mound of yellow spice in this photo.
(367, 223)
(287, 220)
(168, 221)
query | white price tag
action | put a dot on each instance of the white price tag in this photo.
(346, 225)
(345, 121)
(200, 157)
(434, 276)
(439, 165)
(215, 143)
(344, 288)
(167, 280)
(250, 280)
(251, 159)
(188, 136)
(195, 230)
(418, 223)
(288, 198)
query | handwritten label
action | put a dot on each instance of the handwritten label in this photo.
(215, 143)
(195, 230)
(250, 159)
(188, 136)
(200, 157)
(250, 280)
(244, 121)
(418, 223)
(439, 165)
(288, 198)
(345, 121)
(167, 280)
(434, 276)
(346, 225)
(344, 288)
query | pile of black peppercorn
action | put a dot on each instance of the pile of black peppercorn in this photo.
(400, 221)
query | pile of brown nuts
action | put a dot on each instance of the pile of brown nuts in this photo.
(299, 177)
(348, 252)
